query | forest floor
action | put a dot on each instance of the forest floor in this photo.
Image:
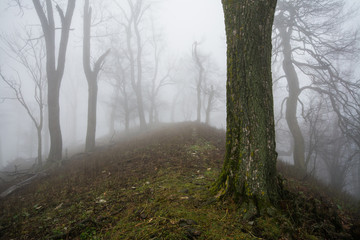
(156, 185)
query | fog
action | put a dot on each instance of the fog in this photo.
(178, 31)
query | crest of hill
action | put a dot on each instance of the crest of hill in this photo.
(153, 180)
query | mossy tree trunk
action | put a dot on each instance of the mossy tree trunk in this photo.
(249, 171)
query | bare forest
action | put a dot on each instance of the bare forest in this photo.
(179, 119)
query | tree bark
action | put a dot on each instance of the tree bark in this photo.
(249, 170)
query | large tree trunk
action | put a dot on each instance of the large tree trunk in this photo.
(292, 101)
(249, 171)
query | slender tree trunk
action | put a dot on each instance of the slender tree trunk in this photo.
(139, 59)
(39, 150)
(151, 114)
(199, 81)
(152, 108)
(91, 77)
(46, 135)
(136, 80)
(74, 126)
(198, 109)
(140, 107)
(249, 170)
(127, 111)
(91, 123)
(209, 105)
(1, 155)
(292, 101)
(173, 106)
(113, 111)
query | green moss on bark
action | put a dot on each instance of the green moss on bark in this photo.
(249, 171)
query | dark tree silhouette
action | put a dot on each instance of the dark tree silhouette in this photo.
(91, 77)
(55, 66)
(308, 36)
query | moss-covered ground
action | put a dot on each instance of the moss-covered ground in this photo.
(156, 185)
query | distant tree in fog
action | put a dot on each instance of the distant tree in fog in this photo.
(123, 102)
(157, 81)
(30, 54)
(338, 155)
(207, 85)
(135, 49)
(212, 92)
(1, 156)
(91, 77)
(199, 78)
(328, 147)
(308, 39)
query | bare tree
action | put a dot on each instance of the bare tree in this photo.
(55, 65)
(208, 91)
(123, 101)
(212, 93)
(134, 47)
(199, 63)
(91, 77)
(157, 82)
(316, 130)
(30, 54)
(308, 37)
(338, 155)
